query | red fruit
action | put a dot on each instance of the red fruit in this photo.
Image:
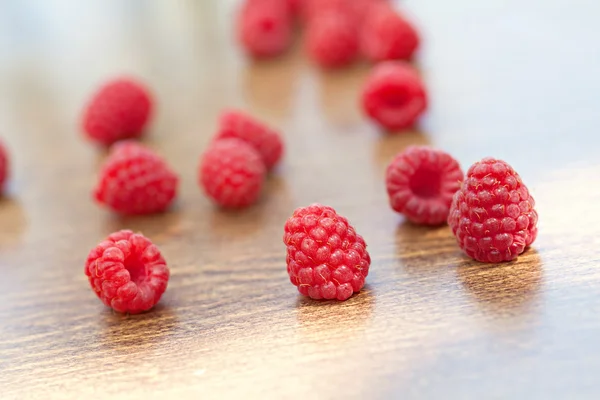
(332, 40)
(326, 258)
(493, 215)
(394, 95)
(265, 27)
(135, 180)
(127, 272)
(386, 35)
(3, 167)
(232, 173)
(355, 9)
(296, 7)
(421, 182)
(238, 125)
(119, 110)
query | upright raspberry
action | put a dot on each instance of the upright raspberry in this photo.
(135, 180)
(127, 272)
(386, 35)
(326, 258)
(493, 215)
(119, 110)
(421, 182)
(3, 167)
(265, 27)
(332, 40)
(232, 173)
(394, 95)
(239, 125)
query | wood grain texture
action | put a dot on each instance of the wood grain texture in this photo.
(516, 80)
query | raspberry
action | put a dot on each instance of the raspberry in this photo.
(232, 173)
(394, 95)
(268, 143)
(421, 182)
(386, 35)
(135, 180)
(493, 215)
(127, 272)
(326, 258)
(296, 7)
(265, 27)
(3, 167)
(119, 110)
(332, 40)
(355, 9)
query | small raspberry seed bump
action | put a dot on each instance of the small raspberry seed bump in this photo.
(386, 35)
(264, 27)
(326, 258)
(394, 95)
(332, 40)
(127, 272)
(421, 183)
(3, 167)
(119, 110)
(232, 173)
(239, 125)
(134, 180)
(493, 214)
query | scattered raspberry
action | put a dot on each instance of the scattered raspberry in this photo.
(493, 215)
(332, 40)
(3, 167)
(265, 27)
(296, 7)
(326, 258)
(119, 110)
(135, 180)
(127, 272)
(232, 173)
(421, 182)
(268, 143)
(354, 9)
(386, 35)
(394, 95)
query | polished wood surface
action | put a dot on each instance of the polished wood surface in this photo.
(511, 79)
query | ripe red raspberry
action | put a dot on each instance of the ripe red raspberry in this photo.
(355, 9)
(326, 258)
(493, 215)
(394, 95)
(3, 167)
(119, 110)
(386, 35)
(265, 27)
(135, 180)
(232, 173)
(268, 143)
(421, 182)
(127, 272)
(296, 7)
(332, 40)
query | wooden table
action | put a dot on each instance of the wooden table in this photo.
(511, 79)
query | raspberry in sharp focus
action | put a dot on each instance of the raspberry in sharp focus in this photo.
(135, 180)
(3, 167)
(394, 95)
(127, 272)
(265, 27)
(268, 143)
(386, 35)
(232, 173)
(492, 214)
(332, 40)
(421, 183)
(119, 110)
(326, 258)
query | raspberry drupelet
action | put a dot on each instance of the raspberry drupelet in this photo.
(232, 173)
(394, 95)
(332, 40)
(3, 167)
(127, 272)
(326, 258)
(264, 27)
(135, 180)
(118, 110)
(239, 125)
(493, 215)
(421, 183)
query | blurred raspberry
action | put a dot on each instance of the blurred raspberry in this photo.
(332, 40)
(265, 27)
(3, 167)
